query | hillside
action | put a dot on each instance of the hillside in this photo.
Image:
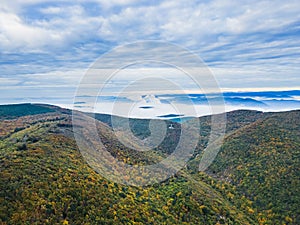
(45, 180)
(262, 161)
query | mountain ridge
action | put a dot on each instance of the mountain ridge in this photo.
(44, 178)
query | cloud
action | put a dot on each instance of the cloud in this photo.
(192, 24)
(11, 26)
(246, 43)
(51, 10)
(8, 81)
(46, 28)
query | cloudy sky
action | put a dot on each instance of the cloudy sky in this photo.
(47, 46)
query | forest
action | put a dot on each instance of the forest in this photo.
(44, 178)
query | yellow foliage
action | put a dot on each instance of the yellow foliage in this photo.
(288, 219)
(178, 194)
(230, 195)
(250, 210)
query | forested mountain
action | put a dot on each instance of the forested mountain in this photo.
(262, 161)
(45, 180)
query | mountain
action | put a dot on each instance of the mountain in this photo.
(160, 105)
(262, 161)
(45, 180)
(13, 111)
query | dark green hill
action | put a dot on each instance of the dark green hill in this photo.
(14, 111)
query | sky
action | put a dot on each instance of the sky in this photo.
(46, 47)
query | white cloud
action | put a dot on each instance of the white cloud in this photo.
(189, 23)
(8, 82)
(66, 26)
(51, 10)
(69, 78)
(250, 40)
(15, 34)
(114, 3)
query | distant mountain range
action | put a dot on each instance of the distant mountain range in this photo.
(157, 106)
